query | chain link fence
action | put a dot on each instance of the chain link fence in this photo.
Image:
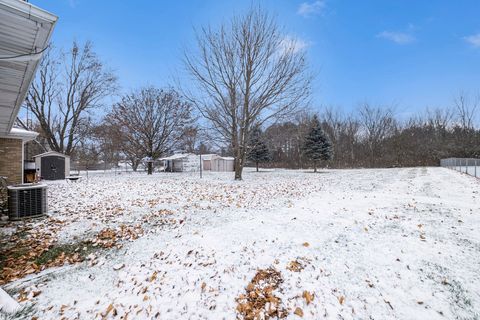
(469, 166)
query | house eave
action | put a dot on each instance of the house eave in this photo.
(29, 10)
(28, 31)
(17, 133)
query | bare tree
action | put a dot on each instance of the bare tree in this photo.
(194, 139)
(87, 155)
(439, 118)
(109, 145)
(466, 109)
(67, 87)
(378, 124)
(150, 122)
(343, 131)
(246, 73)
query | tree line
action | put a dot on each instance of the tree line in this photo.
(247, 96)
(373, 136)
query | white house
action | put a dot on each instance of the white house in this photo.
(222, 164)
(189, 162)
(181, 162)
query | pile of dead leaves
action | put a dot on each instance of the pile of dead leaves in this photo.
(109, 237)
(33, 247)
(259, 301)
(28, 250)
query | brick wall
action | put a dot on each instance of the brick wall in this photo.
(11, 160)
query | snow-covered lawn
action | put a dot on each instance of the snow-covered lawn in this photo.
(344, 244)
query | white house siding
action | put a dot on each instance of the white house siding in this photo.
(191, 163)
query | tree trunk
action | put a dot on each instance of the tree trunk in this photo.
(150, 167)
(257, 166)
(134, 165)
(238, 168)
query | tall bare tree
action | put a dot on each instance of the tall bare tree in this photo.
(378, 124)
(466, 109)
(246, 73)
(150, 122)
(68, 86)
(109, 145)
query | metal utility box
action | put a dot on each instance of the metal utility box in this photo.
(27, 200)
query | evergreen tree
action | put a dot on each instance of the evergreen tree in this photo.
(317, 146)
(258, 149)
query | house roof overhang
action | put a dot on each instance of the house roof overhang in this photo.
(17, 133)
(24, 34)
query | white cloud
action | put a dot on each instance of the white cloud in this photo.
(311, 8)
(397, 37)
(294, 44)
(474, 40)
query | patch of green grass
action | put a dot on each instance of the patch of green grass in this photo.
(16, 254)
(3, 258)
(82, 248)
(22, 234)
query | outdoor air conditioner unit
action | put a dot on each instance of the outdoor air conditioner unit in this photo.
(27, 200)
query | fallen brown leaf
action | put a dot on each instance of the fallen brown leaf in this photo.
(298, 311)
(308, 296)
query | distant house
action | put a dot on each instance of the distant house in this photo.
(207, 161)
(26, 31)
(189, 162)
(222, 164)
(181, 162)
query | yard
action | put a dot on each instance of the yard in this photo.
(340, 244)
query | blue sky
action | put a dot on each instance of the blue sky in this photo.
(410, 53)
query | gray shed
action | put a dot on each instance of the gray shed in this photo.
(52, 165)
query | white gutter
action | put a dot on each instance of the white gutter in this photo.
(44, 18)
(17, 133)
(28, 9)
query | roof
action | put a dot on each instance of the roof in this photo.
(51, 153)
(17, 133)
(209, 156)
(204, 156)
(177, 156)
(25, 32)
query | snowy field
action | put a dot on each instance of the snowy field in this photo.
(341, 244)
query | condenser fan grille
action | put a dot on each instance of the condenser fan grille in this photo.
(27, 202)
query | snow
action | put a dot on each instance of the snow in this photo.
(379, 243)
(7, 304)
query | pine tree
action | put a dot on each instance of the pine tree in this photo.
(317, 146)
(258, 149)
